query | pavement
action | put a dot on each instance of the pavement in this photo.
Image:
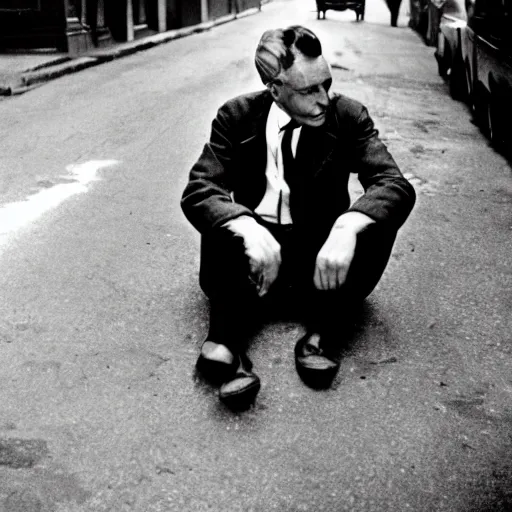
(21, 71)
(101, 314)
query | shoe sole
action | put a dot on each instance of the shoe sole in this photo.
(317, 378)
(215, 371)
(242, 398)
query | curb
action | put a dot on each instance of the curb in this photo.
(32, 78)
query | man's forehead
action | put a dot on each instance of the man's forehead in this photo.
(306, 72)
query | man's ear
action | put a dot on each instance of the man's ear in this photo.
(274, 90)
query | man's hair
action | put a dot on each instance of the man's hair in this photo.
(278, 48)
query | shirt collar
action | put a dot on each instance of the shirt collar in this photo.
(281, 117)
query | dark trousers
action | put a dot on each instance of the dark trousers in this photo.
(394, 9)
(236, 309)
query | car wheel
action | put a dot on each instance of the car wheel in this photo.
(458, 87)
(481, 102)
(470, 100)
(495, 119)
(442, 66)
(489, 123)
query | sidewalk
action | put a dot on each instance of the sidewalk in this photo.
(21, 71)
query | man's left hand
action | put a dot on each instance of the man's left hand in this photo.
(334, 259)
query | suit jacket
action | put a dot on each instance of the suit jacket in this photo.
(229, 178)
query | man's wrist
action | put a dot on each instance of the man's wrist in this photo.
(356, 221)
(239, 221)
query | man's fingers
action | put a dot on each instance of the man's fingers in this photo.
(268, 276)
(272, 251)
(332, 275)
(320, 282)
(329, 274)
(341, 276)
(264, 253)
(316, 279)
(265, 270)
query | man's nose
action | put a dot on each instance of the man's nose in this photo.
(322, 98)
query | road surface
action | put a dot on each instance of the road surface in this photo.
(101, 316)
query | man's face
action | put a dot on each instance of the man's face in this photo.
(303, 94)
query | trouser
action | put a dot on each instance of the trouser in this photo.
(394, 9)
(236, 308)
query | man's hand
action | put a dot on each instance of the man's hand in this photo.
(262, 249)
(334, 258)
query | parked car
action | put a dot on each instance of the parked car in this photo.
(487, 46)
(358, 6)
(435, 10)
(418, 18)
(448, 53)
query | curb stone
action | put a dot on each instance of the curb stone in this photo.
(45, 74)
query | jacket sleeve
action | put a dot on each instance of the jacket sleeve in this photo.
(207, 201)
(389, 197)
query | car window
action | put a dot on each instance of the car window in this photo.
(490, 18)
(455, 7)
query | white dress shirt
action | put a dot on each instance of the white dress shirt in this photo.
(275, 205)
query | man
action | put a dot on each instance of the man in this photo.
(394, 9)
(269, 196)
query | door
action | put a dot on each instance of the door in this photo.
(139, 13)
(33, 24)
(218, 8)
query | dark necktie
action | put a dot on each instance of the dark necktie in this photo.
(286, 150)
(289, 171)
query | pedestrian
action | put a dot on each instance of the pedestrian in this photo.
(269, 196)
(394, 9)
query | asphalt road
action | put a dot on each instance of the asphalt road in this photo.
(101, 315)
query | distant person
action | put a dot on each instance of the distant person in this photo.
(269, 196)
(394, 9)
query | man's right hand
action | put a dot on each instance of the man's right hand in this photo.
(261, 248)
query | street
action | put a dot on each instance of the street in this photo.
(102, 317)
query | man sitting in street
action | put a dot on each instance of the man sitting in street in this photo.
(269, 195)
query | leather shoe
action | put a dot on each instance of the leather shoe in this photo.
(216, 362)
(241, 390)
(314, 367)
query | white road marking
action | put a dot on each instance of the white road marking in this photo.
(14, 216)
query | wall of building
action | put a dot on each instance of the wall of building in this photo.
(219, 8)
(32, 23)
(78, 26)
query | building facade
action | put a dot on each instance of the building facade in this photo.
(79, 26)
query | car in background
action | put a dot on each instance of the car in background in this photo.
(434, 13)
(448, 52)
(358, 6)
(487, 46)
(418, 16)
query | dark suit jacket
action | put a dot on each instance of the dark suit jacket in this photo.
(229, 178)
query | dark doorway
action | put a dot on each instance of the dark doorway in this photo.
(32, 24)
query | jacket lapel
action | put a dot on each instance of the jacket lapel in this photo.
(253, 141)
(253, 152)
(314, 148)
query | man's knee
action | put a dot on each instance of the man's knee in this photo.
(224, 266)
(373, 250)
